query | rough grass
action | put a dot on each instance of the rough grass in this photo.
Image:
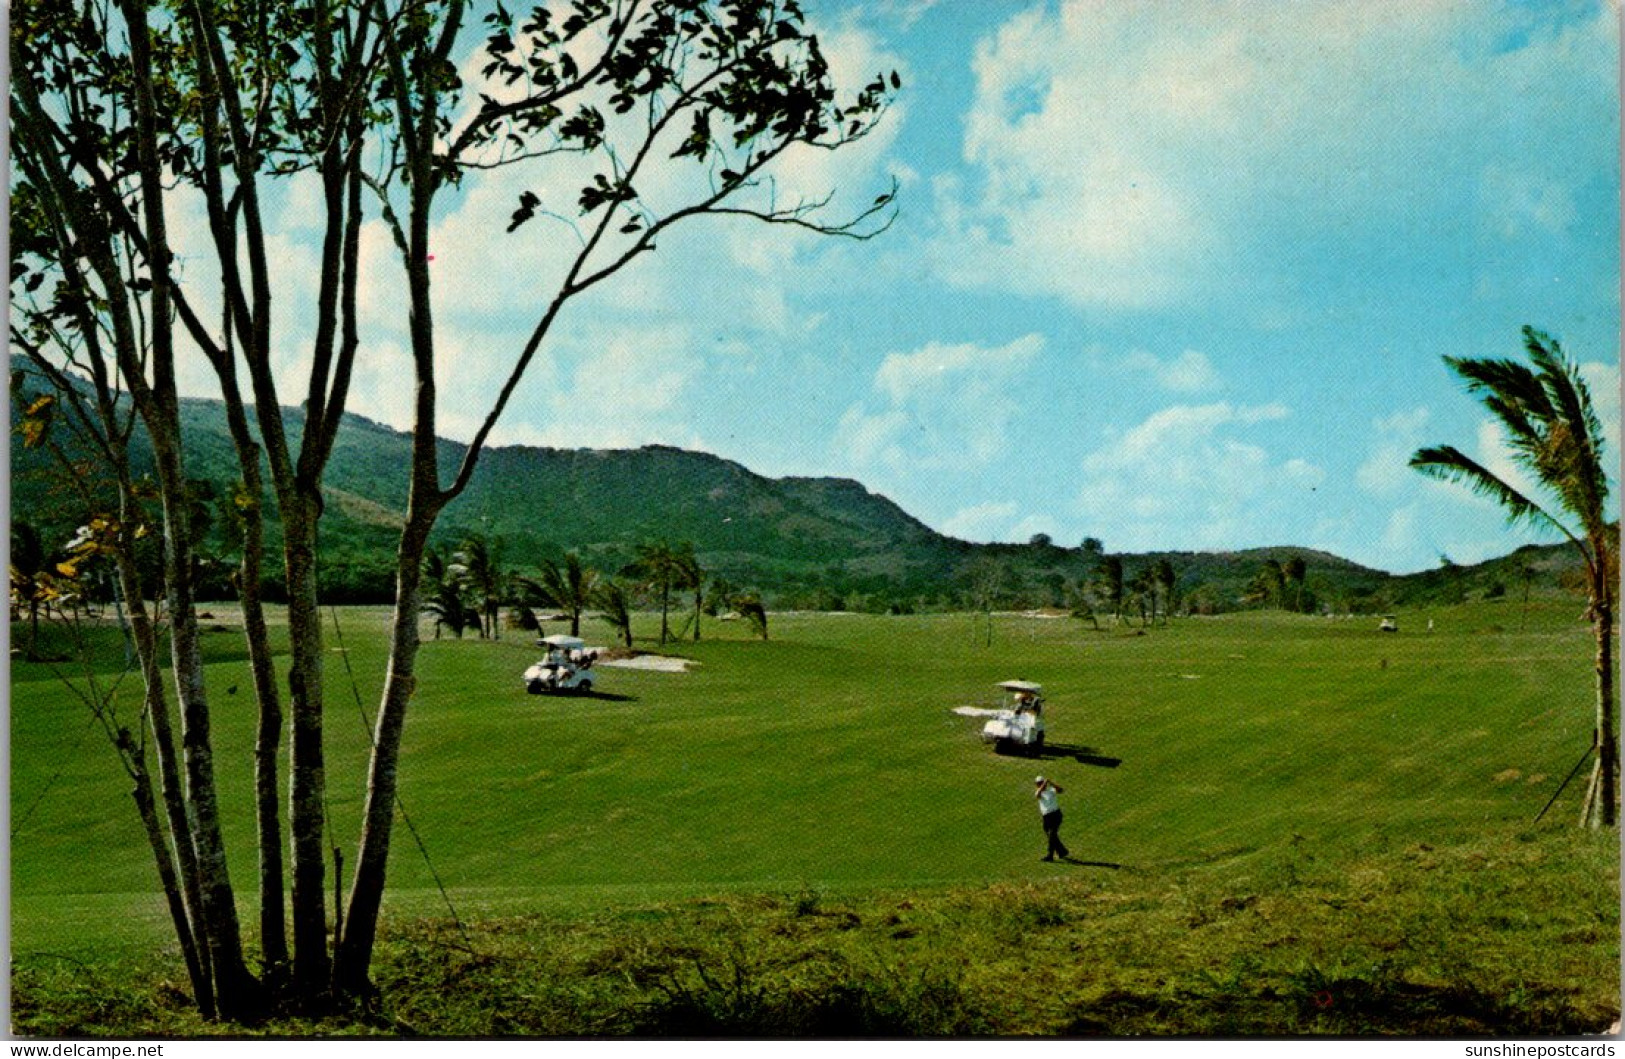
(1290, 826)
(1515, 934)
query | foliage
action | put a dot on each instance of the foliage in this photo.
(1548, 419)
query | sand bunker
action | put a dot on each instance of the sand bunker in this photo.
(658, 663)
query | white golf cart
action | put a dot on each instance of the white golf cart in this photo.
(567, 667)
(1020, 728)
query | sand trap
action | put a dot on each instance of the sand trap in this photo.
(977, 711)
(658, 663)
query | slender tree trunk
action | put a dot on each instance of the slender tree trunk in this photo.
(267, 746)
(1606, 796)
(236, 992)
(697, 604)
(311, 963)
(157, 712)
(354, 955)
(665, 607)
(141, 792)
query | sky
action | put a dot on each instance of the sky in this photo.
(1173, 276)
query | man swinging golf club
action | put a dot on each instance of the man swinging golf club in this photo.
(1049, 807)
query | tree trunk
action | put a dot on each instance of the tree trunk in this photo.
(202, 988)
(169, 773)
(267, 745)
(354, 955)
(1606, 813)
(311, 965)
(236, 992)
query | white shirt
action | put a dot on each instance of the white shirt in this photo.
(1048, 801)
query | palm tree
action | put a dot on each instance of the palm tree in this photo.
(691, 576)
(478, 564)
(443, 594)
(1554, 433)
(1109, 576)
(611, 598)
(1163, 574)
(1293, 572)
(750, 607)
(1141, 587)
(570, 588)
(658, 564)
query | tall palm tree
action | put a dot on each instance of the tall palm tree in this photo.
(478, 564)
(570, 587)
(1554, 433)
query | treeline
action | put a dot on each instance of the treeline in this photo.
(470, 586)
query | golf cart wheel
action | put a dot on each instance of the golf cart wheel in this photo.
(584, 688)
(1001, 746)
(536, 687)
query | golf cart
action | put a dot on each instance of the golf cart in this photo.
(567, 667)
(1019, 728)
(1389, 623)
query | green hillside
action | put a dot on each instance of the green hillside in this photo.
(807, 543)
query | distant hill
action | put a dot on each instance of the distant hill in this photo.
(816, 543)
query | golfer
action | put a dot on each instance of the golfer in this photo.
(1049, 807)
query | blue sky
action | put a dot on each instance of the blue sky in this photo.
(1170, 275)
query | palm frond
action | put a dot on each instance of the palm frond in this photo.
(1512, 382)
(1575, 459)
(1448, 463)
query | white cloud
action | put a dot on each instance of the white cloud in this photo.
(941, 406)
(1188, 477)
(1033, 525)
(980, 522)
(1603, 382)
(1517, 202)
(1496, 457)
(937, 366)
(1135, 155)
(1189, 372)
(1399, 534)
(1386, 471)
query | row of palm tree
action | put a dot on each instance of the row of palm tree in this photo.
(466, 587)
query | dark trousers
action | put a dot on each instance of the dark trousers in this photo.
(1052, 831)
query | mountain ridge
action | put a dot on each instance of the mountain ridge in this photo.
(818, 541)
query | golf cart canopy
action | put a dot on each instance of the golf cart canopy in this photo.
(1020, 686)
(564, 643)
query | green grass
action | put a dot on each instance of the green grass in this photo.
(1312, 773)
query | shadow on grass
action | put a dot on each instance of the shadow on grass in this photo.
(1094, 863)
(1084, 755)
